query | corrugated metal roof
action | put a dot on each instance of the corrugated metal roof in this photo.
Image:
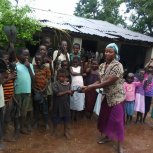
(88, 26)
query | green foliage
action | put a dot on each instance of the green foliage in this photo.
(106, 10)
(19, 17)
(142, 18)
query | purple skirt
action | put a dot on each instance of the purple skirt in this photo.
(111, 121)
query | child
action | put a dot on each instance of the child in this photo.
(90, 96)
(3, 75)
(78, 99)
(8, 87)
(139, 98)
(42, 79)
(65, 66)
(23, 83)
(61, 105)
(43, 51)
(148, 87)
(75, 52)
(47, 61)
(129, 87)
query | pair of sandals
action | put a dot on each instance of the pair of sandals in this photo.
(107, 140)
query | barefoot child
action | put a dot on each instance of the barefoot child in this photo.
(93, 76)
(78, 99)
(42, 79)
(65, 66)
(148, 87)
(61, 102)
(3, 75)
(129, 87)
(8, 87)
(23, 83)
(139, 97)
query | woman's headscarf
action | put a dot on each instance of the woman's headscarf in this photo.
(115, 48)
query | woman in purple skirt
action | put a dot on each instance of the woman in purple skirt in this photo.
(111, 117)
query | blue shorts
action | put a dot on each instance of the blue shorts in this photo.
(129, 107)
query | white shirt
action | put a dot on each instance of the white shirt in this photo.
(61, 58)
(1, 97)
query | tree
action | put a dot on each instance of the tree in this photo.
(142, 16)
(19, 17)
(106, 10)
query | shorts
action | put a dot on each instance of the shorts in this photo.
(24, 104)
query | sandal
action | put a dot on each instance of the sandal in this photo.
(104, 140)
(120, 150)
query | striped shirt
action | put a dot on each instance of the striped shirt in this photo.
(42, 76)
(8, 88)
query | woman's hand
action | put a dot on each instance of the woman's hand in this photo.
(86, 88)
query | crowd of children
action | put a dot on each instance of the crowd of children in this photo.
(139, 92)
(52, 88)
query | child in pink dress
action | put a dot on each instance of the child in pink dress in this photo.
(130, 87)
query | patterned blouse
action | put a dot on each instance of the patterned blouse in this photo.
(115, 92)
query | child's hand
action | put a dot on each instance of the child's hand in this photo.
(70, 92)
(47, 59)
(27, 64)
(59, 53)
(12, 76)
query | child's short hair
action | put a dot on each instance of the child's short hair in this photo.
(3, 66)
(94, 60)
(20, 51)
(38, 54)
(61, 71)
(62, 63)
(42, 45)
(3, 53)
(76, 44)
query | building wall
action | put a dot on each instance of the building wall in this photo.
(149, 55)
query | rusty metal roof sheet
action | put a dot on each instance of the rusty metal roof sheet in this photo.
(88, 26)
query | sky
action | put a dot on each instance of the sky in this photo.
(60, 6)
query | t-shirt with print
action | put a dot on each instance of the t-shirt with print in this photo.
(130, 90)
(114, 93)
(42, 76)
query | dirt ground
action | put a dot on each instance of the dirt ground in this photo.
(138, 139)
